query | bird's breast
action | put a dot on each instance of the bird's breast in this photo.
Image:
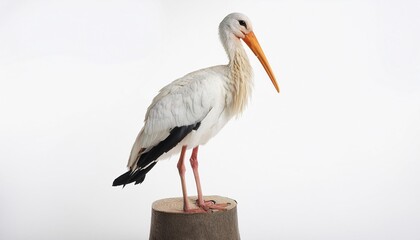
(209, 127)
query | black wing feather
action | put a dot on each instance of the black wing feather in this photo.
(148, 159)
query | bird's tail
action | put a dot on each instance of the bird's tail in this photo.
(136, 176)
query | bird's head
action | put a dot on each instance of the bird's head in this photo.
(237, 26)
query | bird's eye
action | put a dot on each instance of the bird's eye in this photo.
(242, 23)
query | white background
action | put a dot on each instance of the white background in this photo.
(335, 155)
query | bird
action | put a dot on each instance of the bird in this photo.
(189, 111)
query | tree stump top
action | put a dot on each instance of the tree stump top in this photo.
(175, 205)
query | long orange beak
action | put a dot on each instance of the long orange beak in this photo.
(253, 44)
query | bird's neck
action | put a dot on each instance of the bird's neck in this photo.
(240, 80)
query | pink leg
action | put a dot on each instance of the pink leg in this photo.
(194, 166)
(205, 205)
(181, 170)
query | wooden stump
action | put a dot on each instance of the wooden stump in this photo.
(170, 222)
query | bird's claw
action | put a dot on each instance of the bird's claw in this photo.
(212, 206)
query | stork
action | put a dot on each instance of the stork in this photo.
(192, 109)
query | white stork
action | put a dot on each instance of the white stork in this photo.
(192, 109)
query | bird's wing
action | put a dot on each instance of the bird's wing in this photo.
(183, 103)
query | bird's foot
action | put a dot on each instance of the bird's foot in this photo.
(195, 210)
(211, 205)
(206, 207)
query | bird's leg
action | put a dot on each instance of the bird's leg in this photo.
(194, 166)
(205, 205)
(181, 170)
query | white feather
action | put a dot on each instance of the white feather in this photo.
(197, 97)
